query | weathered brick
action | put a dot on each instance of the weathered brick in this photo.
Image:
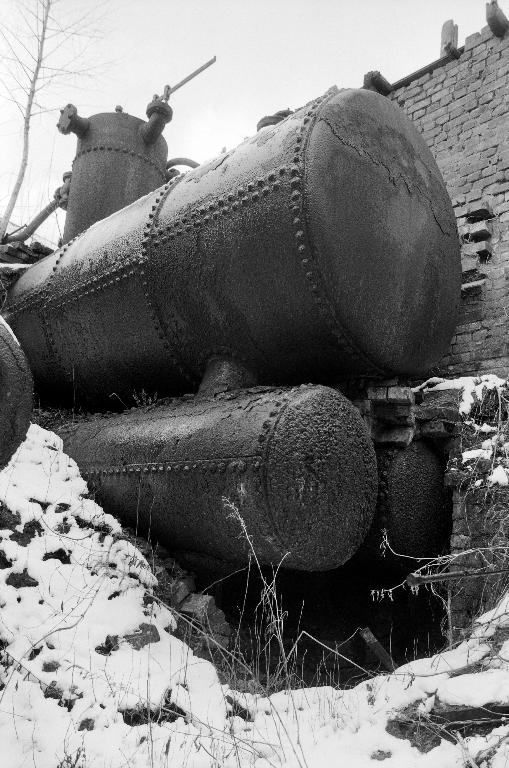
(461, 109)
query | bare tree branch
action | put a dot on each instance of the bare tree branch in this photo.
(46, 6)
(32, 61)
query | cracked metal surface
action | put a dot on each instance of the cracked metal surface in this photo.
(113, 167)
(298, 465)
(390, 227)
(324, 247)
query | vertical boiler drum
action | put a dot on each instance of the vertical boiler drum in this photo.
(119, 158)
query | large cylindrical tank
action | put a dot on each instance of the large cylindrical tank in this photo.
(114, 165)
(321, 248)
(297, 466)
(16, 388)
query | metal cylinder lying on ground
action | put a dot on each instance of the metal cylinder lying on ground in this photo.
(296, 466)
(16, 388)
(323, 247)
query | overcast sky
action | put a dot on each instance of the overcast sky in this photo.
(271, 54)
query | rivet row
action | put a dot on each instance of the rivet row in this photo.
(239, 465)
(95, 285)
(221, 207)
(123, 151)
(148, 241)
(307, 257)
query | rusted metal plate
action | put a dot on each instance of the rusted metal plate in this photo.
(16, 388)
(414, 508)
(324, 247)
(296, 466)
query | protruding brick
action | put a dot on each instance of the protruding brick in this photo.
(449, 39)
(472, 40)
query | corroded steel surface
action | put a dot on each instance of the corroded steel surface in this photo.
(113, 167)
(413, 506)
(15, 395)
(323, 247)
(297, 464)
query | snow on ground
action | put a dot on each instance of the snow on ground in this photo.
(83, 641)
(86, 648)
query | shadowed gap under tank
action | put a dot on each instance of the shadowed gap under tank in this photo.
(332, 607)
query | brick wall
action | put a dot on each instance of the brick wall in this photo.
(479, 541)
(462, 110)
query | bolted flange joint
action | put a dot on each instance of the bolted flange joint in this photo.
(71, 122)
(159, 113)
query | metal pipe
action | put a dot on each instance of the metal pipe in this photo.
(159, 114)
(416, 579)
(71, 122)
(60, 199)
(192, 75)
(181, 161)
(442, 61)
(375, 81)
(22, 234)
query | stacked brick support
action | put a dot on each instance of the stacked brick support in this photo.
(462, 110)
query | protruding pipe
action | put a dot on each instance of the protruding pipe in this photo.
(16, 388)
(374, 81)
(274, 119)
(159, 113)
(62, 193)
(172, 171)
(71, 122)
(224, 374)
(24, 233)
(168, 89)
(182, 161)
(60, 200)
